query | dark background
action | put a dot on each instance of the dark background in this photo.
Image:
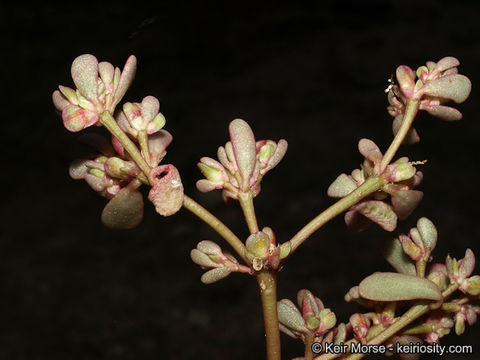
(71, 289)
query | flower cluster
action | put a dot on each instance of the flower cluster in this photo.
(263, 252)
(313, 318)
(242, 162)
(220, 263)
(100, 87)
(436, 84)
(401, 176)
(409, 255)
(117, 173)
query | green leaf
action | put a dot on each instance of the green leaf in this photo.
(395, 287)
(124, 211)
(398, 259)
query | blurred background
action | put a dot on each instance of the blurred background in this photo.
(312, 74)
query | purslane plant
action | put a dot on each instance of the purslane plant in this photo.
(418, 303)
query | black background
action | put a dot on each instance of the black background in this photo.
(313, 74)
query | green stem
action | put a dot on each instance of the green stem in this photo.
(367, 188)
(412, 314)
(216, 225)
(246, 202)
(107, 120)
(408, 117)
(267, 283)
(143, 141)
(308, 346)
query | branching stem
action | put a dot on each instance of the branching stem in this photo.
(216, 225)
(107, 120)
(367, 188)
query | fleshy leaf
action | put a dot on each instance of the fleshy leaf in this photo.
(428, 232)
(124, 211)
(446, 113)
(202, 259)
(126, 78)
(454, 87)
(405, 201)
(385, 286)
(398, 259)
(215, 275)
(342, 186)
(378, 212)
(370, 150)
(85, 74)
(289, 316)
(244, 147)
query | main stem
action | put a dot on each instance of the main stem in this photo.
(267, 283)
(368, 187)
(216, 225)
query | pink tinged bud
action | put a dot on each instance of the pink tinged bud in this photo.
(85, 75)
(76, 118)
(150, 112)
(406, 80)
(342, 186)
(121, 169)
(398, 259)
(270, 154)
(124, 211)
(395, 287)
(215, 275)
(459, 323)
(360, 325)
(400, 170)
(167, 191)
(243, 143)
(453, 87)
(290, 317)
(471, 285)
(378, 212)
(410, 248)
(327, 319)
(126, 78)
(258, 245)
(309, 303)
